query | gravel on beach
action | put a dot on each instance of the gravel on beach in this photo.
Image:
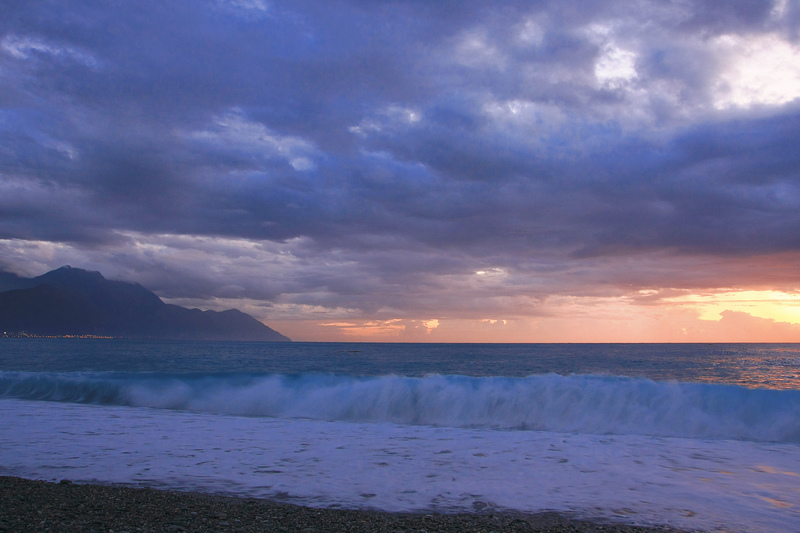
(28, 505)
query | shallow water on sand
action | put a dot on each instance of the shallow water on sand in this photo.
(689, 483)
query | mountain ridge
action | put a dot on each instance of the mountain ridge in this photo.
(73, 301)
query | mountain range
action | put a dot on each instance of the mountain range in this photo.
(73, 301)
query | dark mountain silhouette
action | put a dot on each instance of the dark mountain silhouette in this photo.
(10, 281)
(72, 301)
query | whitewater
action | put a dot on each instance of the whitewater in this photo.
(706, 453)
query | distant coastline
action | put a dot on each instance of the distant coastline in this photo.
(26, 335)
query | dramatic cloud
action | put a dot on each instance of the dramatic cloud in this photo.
(402, 170)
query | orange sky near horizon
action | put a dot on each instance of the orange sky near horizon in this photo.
(501, 172)
(731, 316)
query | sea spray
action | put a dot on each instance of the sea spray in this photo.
(575, 404)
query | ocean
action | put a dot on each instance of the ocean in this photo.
(696, 436)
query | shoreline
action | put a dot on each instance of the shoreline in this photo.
(37, 506)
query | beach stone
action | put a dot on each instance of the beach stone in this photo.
(39, 506)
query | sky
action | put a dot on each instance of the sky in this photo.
(473, 171)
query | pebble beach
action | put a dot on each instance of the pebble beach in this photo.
(39, 506)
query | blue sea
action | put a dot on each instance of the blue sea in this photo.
(698, 436)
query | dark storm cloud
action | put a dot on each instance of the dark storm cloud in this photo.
(390, 145)
(721, 16)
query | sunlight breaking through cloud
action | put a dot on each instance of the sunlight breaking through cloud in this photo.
(567, 167)
(758, 70)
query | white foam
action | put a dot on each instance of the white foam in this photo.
(576, 404)
(688, 483)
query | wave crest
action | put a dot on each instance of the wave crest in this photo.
(575, 404)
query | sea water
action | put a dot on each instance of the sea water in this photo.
(694, 436)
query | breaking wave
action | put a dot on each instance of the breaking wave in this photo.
(574, 404)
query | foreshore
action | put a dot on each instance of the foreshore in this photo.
(28, 505)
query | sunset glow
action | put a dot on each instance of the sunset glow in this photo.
(504, 172)
(774, 305)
